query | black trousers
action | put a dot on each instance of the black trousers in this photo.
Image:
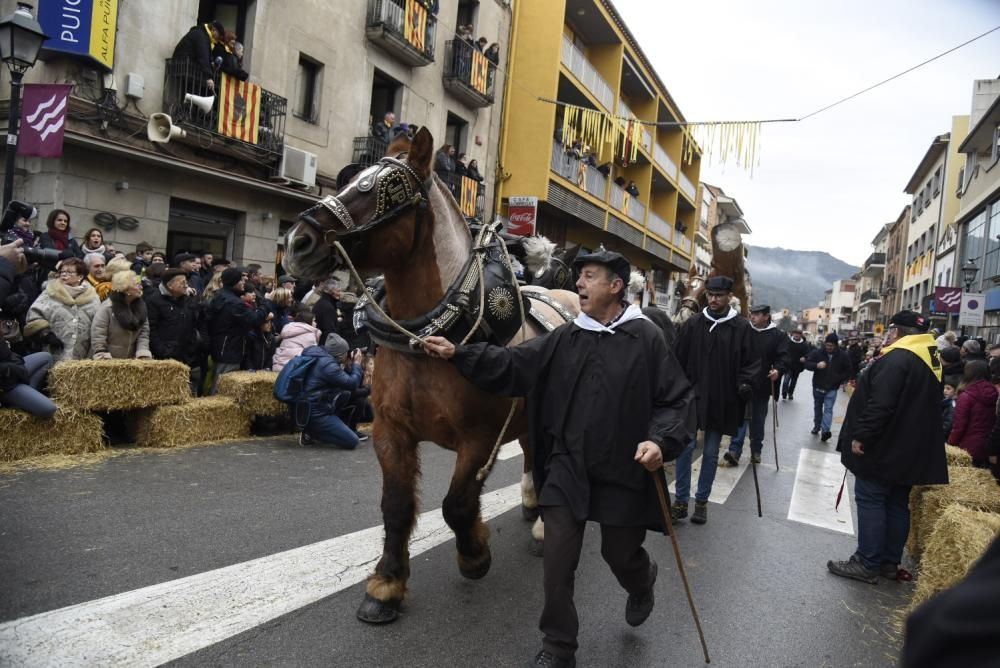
(621, 548)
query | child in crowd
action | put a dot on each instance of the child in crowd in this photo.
(296, 336)
(948, 404)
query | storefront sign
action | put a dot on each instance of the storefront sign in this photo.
(522, 212)
(82, 28)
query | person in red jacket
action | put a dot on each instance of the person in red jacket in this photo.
(975, 412)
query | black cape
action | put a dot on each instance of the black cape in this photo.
(797, 350)
(592, 398)
(717, 363)
(770, 346)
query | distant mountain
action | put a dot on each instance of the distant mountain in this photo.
(793, 279)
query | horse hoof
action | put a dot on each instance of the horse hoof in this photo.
(537, 547)
(374, 611)
(474, 570)
(529, 514)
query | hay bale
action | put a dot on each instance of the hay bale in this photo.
(69, 432)
(202, 420)
(970, 487)
(959, 538)
(957, 456)
(116, 385)
(253, 391)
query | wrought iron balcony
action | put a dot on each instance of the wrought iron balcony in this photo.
(870, 296)
(242, 114)
(469, 193)
(874, 264)
(468, 74)
(404, 28)
(368, 150)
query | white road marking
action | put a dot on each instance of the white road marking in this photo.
(154, 625)
(509, 451)
(817, 480)
(726, 479)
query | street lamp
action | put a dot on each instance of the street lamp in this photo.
(20, 41)
(969, 272)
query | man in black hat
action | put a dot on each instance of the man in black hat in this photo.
(606, 399)
(770, 346)
(888, 443)
(831, 368)
(798, 350)
(188, 263)
(230, 321)
(716, 351)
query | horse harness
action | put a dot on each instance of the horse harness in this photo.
(481, 304)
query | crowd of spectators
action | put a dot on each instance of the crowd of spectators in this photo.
(95, 302)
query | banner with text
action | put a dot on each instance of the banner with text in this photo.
(522, 212)
(82, 28)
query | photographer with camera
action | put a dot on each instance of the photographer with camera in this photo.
(58, 237)
(20, 377)
(328, 387)
(61, 317)
(15, 225)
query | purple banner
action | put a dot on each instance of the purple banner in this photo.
(947, 300)
(43, 119)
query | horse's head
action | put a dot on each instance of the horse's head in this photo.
(378, 217)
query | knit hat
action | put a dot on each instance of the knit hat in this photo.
(336, 345)
(231, 276)
(832, 338)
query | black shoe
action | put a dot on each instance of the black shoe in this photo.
(755, 458)
(678, 511)
(889, 571)
(305, 439)
(815, 430)
(361, 437)
(700, 515)
(826, 436)
(853, 569)
(550, 660)
(729, 460)
(791, 397)
(638, 606)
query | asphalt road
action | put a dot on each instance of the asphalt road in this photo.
(70, 537)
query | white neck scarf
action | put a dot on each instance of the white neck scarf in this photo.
(715, 321)
(770, 325)
(584, 321)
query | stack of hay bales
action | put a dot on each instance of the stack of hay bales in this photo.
(958, 540)
(969, 487)
(957, 456)
(201, 420)
(69, 432)
(253, 392)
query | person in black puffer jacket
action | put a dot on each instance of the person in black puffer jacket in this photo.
(229, 321)
(173, 322)
(328, 389)
(831, 368)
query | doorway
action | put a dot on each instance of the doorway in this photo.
(200, 228)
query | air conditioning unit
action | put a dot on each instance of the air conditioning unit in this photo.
(298, 166)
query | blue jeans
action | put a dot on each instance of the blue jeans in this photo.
(759, 419)
(883, 522)
(709, 464)
(329, 429)
(823, 401)
(26, 396)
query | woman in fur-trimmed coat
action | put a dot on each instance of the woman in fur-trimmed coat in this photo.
(66, 309)
(121, 326)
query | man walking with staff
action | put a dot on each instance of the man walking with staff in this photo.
(607, 402)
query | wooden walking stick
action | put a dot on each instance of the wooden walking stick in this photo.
(774, 424)
(753, 464)
(661, 492)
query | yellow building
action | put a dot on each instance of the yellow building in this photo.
(580, 52)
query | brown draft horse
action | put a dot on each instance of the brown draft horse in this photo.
(420, 249)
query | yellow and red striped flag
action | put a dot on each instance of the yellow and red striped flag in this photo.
(415, 26)
(239, 109)
(480, 72)
(467, 201)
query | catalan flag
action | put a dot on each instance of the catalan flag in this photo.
(239, 109)
(467, 201)
(415, 27)
(479, 76)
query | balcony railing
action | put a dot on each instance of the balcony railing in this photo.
(870, 296)
(617, 199)
(636, 210)
(682, 241)
(250, 114)
(626, 112)
(468, 74)
(660, 227)
(404, 28)
(577, 62)
(568, 166)
(469, 193)
(687, 187)
(663, 160)
(627, 204)
(875, 260)
(368, 150)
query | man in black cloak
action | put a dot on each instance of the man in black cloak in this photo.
(607, 402)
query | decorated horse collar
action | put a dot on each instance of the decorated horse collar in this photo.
(486, 285)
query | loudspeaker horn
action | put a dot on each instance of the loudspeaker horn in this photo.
(161, 129)
(203, 103)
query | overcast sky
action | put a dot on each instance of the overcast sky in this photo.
(830, 182)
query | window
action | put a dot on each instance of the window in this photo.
(308, 86)
(927, 195)
(456, 133)
(995, 149)
(937, 181)
(235, 15)
(386, 97)
(468, 13)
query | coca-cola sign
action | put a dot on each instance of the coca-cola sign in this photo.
(522, 214)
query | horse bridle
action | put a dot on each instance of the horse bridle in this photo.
(397, 188)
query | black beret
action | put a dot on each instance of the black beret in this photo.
(184, 257)
(616, 261)
(911, 319)
(220, 262)
(762, 308)
(719, 283)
